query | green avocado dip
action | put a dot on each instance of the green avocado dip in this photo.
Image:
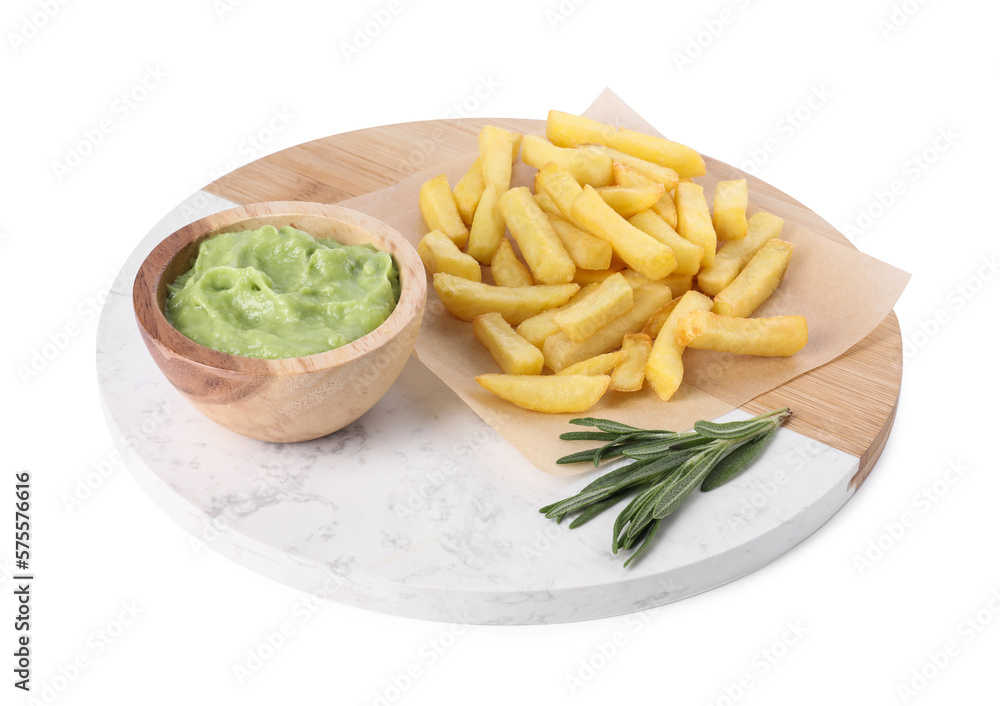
(281, 293)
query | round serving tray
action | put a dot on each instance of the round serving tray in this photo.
(419, 508)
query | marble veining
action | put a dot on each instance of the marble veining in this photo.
(420, 509)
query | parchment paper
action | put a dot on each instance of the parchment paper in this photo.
(843, 293)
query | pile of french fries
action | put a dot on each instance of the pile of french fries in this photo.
(618, 266)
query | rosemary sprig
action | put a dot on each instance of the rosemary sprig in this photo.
(665, 467)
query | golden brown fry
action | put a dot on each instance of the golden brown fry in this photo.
(515, 145)
(756, 282)
(735, 254)
(659, 317)
(496, 146)
(687, 254)
(437, 205)
(556, 181)
(627, 176)
(654, 172)
(598, 365)
(629, 374)
(587, 251)
(629, 200)
(664, 207)
(636, 280)
(487, 227)
(588, 277)
(540, 246)
(468, 190)
(542, 325)
(664, 369)
(507, 270)
(440, 254)
(513, 354)
(567, 130)
(546, 203)
(775, 336)
(465, 299)
(611, 299)
(587, 167)
(678, 283)
(561, 352)
(694, 222)
(641, 252)
(553, 394)
(729, 209)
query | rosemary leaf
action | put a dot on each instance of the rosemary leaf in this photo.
(605, 425)
(588, 436)
(729, 467)
(665, 469)
(645, 543)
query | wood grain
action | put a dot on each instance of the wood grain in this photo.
(848, 404)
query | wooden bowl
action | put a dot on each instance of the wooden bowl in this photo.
(292, 399)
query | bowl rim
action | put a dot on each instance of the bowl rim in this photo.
(154, 325)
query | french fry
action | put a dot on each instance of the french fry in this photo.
(437, 205)
(659, 317)
(567, 130)
(664, 368)
(678, 283)
(598, 365)
(587, 167)
(654, 172)
(507, 270)
(629, 374)
(641, 252)
(560, 186)
(560, 351)
(513, 354)
(729, 209)
(496, 147)
(694, 222)
(687, 254)
(552, 210)
(468, 190)
(487, 227)
(774, 336)
(756, 282)
(628, 176)
(734, 255)
(440, 254)
(636, 280)
(541, 247)
(553, 394)
(586, 250)
(542, 325)
(466, 299)
(666, 209)
(588, 277)
(515, 145)
(629, 200)
(664, 206)
(611, 299)
(546, 203)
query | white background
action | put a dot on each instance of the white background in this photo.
(721, 76)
